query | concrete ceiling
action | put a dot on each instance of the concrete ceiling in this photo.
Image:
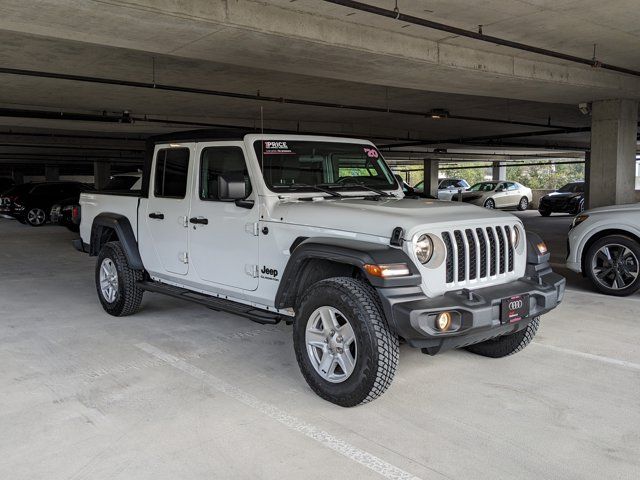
(317, 38)
(315, 51)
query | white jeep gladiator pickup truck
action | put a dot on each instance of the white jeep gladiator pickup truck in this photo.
(316, 231)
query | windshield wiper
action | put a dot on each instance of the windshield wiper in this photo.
(319, 188)
(381, 193)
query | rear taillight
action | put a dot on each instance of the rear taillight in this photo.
(75, 214)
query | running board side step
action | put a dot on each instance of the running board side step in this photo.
(257, 315)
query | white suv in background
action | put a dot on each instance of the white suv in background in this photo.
(447, 187)
(604, 245)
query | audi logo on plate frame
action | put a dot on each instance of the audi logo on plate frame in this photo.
(514, 309)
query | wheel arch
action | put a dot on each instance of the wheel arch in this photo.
(315, 259)
(107, 227)
(597, 236)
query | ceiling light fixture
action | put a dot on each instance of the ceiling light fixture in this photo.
(438, 113)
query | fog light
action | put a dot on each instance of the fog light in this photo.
(443, 321)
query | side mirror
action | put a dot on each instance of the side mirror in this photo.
(500, 189)
(231, 187)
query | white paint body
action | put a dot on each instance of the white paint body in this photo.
(226, 257)
(621, 218)
(447, 191)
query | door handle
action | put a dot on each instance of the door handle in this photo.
(157, 216)
(199, 220)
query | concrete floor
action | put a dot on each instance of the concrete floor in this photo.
(179, 391)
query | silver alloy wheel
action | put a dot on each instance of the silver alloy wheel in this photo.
(615, 266)
(36, 216)
(108, 280)
(331, 344)
(524, 203)
(490, 204)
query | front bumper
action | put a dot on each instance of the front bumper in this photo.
(410, 312)
(567, 206)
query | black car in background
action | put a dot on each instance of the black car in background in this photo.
(568, 199)
(31, 202)
(67, 213)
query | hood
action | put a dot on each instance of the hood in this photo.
(382, 216)
(629, 208)
(563, 195)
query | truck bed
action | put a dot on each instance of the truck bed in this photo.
(94, 203)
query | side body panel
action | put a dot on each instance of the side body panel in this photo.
(623, 220)
(94, 203)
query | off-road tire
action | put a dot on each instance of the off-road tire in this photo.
(507, 344)
(523, 204)
(129, 295)
(377, 345)
(628, 242)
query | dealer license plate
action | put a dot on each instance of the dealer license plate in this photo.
(515, 308)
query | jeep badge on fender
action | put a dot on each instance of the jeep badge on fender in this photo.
(460, 275)
(269, 272)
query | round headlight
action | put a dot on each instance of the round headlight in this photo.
(515, 237)
(424, 248)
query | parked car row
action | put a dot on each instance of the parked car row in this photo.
(36, 203)
(503, 194)
(31, 203)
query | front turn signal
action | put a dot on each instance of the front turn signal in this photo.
(387, 270)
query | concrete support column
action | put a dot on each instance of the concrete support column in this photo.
(51, 174)
(611, 167)
(431, 177)
(18, 177)
(101, 174)
(499, 172)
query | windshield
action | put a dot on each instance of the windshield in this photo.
(572, 188)
(18, 189)
(301, 165)
(484, 187)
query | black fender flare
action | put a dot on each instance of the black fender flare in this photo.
(351, 252)
(121, 225)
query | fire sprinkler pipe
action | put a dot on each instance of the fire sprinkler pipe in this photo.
(396, 15)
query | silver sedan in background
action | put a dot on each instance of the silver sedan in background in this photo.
(498, 195)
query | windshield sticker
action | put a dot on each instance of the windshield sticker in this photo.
(274, 147)
(371, 152)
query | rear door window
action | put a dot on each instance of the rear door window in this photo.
(172, 167)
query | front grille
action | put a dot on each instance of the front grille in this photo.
(477, 254)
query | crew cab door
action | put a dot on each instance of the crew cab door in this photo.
(501, 195)
(514, 194)
(223, 237)
(166, 215)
